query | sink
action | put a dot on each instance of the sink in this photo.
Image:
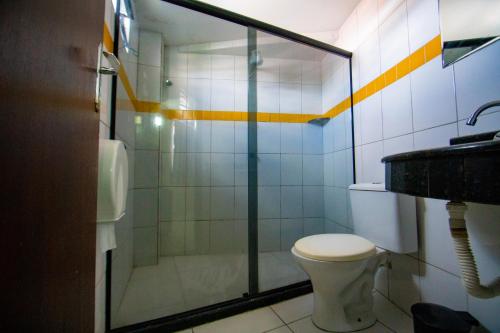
(474, 138)
(467, 170)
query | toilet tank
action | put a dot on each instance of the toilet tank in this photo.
(386, 218)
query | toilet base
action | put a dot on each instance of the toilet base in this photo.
(343, 299)
(330, 315)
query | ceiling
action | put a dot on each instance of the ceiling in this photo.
(301, 16)
(180, 26)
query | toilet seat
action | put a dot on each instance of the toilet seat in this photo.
(335, 247)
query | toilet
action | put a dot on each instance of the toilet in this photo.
(342, 267)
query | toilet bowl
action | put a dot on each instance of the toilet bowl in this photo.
(342, 267)
(342, 270)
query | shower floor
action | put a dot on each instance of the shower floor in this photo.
(181, 283)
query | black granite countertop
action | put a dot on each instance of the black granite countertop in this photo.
(461, 172)
(457, 149)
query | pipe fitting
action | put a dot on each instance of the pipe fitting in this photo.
(470, 276)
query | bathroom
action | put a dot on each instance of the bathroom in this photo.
(252, 134)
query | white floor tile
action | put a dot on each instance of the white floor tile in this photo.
(282, 329)
(306, 325)
(294, 309)
(388, 314)
(404, 281)
(260, 320)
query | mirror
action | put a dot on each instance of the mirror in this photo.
(467, 26)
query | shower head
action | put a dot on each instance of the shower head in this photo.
(256, 58)
(167, 83)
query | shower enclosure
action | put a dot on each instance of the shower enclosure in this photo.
(240, 140)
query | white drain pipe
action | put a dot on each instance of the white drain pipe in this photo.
(470, 277)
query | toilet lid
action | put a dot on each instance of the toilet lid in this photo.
(335, 247)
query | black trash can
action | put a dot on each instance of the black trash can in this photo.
(433, 318)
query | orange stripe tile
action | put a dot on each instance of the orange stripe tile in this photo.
(433, 48)
(107, 39)
(417, 59)
(403, 68)
(426, 53)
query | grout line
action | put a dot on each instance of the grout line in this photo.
(389, 328)
(394, 304)
(277, 315)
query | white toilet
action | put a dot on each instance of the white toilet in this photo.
(342, 267)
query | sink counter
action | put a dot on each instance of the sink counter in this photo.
(460, 172)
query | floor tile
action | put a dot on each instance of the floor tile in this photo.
(294, 309)
(189, 330)
(282, 329)
(306, 325)
(256, 321)
(275, 272)
(388, 314)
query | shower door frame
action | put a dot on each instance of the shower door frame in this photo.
(253, 299)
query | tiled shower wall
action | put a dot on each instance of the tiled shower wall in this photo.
(202, 198)
(423, 110)
(199, 195)
(337, 146)
(147, 142)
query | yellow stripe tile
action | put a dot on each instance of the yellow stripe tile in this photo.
(417, 59)
(433, 48)
(107, 39)
(403, 68)
(426, 53)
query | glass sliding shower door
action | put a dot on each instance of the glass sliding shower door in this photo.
(187, 224)
(301, 102)
(239, 143)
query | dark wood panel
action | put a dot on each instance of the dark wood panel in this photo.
(48, 147)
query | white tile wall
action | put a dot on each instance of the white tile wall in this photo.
(433, 100)
(198, 169)
(150, 45)
(268, 97)
(198, 136)
(290, 71)
(289, 97)
(394, 37)
(371, 119)
(396, 109)
(438, 286)
(223, 136)
(369, 58)
(223, 95)
(223, 67)
(435, 137)
(198, 66)
(149, 83)
(199, 92)
(373, 169)
(291, 138)
(311, 99)
(423, 22)
(423, 110)
(291, 169)
(173, 136)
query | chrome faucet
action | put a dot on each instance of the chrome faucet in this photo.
(473, 119)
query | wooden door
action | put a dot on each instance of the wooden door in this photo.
(48, 164)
